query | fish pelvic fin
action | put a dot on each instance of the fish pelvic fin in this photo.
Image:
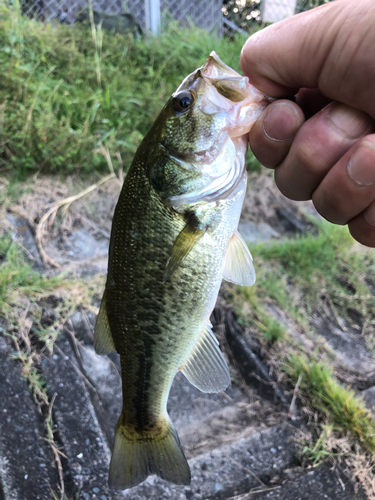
(206, 367)
(135, 457)
(103, 340)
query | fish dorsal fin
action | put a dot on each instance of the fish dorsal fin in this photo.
(206, 367)
(184, 243)
(239, 267)
(103, 341)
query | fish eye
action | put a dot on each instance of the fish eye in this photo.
(182, 102)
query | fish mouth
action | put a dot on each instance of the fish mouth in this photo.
(205, 156)
(220, 184)
(222, 165)
(191, 156)
(232, 87)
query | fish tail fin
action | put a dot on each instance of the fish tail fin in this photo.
(134, 458)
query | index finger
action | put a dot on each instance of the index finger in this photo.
(329, 48)
(288, 55)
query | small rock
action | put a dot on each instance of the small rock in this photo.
(218, 486)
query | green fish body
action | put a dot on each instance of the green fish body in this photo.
(173, 240)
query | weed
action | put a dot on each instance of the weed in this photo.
(253, 313)
(318, 451)
(18, 281)
(55, 450)
(252, 164)
(300, 273)
(309, 256)
(325, 273)
(272, 330)
(65, 93)
(339, 404)
(24, 297)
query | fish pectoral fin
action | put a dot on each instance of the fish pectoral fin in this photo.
(206, 367)
(184, 243)
(103, 341)
(239, 267)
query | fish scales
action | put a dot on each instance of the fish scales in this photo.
(173, 226)
(165, 320)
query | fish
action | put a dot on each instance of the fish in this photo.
(174, 238)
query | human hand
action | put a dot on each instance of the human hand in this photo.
(326, 56)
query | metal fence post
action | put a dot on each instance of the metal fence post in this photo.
(152, 11)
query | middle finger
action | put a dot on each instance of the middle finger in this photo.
(320, 142)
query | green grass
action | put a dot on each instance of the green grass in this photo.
(25, 293)
(339, 404)
(66, 91)
(20, 286)
(18, 279)
(252, 312)
(310, 255)
(298, 276)
(299, 273)
(252, 164)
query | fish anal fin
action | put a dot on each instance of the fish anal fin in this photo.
(206, 367)
(135, 459)
(103, 341)
(239, 268)
(183, 245)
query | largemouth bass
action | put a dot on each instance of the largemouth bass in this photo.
(174, 237)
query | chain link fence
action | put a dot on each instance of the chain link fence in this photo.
(225, 17)
(206, 15)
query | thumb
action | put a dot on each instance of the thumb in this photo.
(330, 48)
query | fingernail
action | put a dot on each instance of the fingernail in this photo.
(369, 214)
(281, 122)
(361, 165)
(352, 122)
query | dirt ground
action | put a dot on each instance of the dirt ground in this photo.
(241, 444)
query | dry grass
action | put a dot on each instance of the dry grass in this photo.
(324, 275)
(345, 455)
(34, 309)
(47, 219)
(34, 205)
